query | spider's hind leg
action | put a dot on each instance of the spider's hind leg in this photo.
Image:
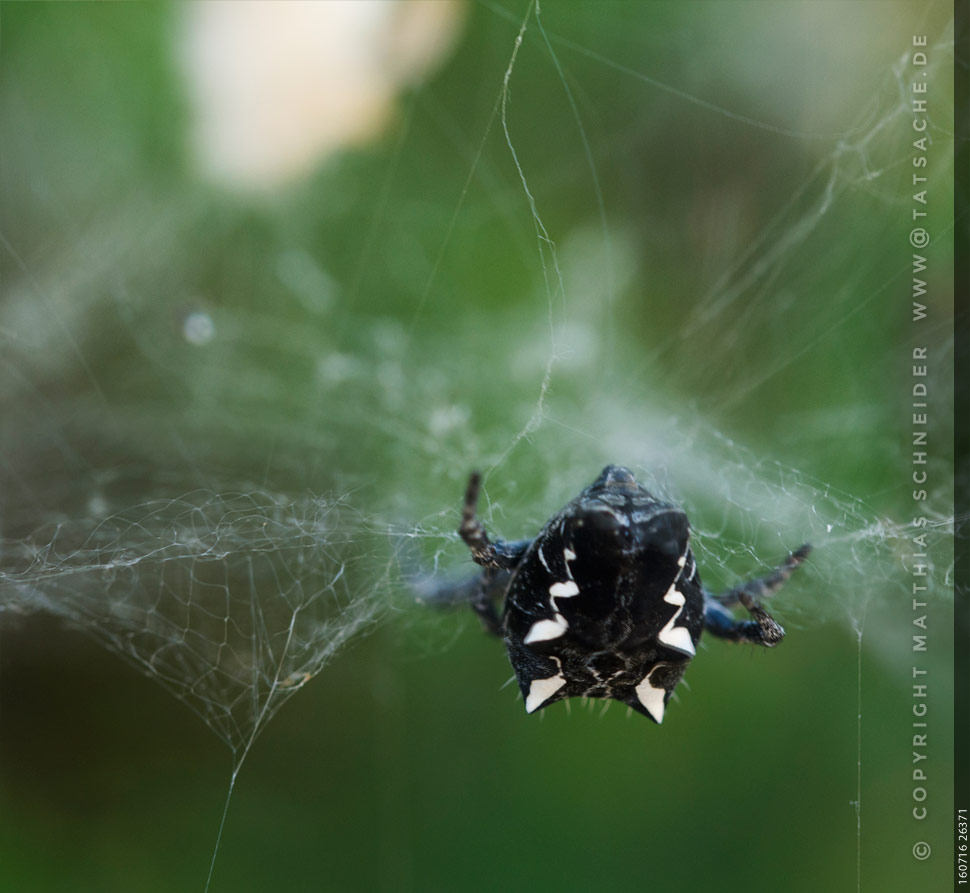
(491, 584)
(763, 629)
(479, 592)
(719, 621)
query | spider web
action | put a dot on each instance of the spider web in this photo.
(232, 601)
(167, 425)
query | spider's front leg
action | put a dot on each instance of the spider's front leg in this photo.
(498, 555)
(762, 630)
(499, 560)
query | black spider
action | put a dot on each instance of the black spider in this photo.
(606, 602)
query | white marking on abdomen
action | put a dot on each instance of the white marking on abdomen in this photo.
(542, 558)
(677, 637)
(543, 630)
(540, 690)
(563, 590)
(569, 555)
(652, 698)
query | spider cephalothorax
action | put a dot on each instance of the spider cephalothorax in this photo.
(606, 602)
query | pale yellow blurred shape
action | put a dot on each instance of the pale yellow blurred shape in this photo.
(278, 87)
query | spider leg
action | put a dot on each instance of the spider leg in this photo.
(719, 621)
(498, 555)
(765, 586)
(490, 584)
(479, 591)
(763, 629)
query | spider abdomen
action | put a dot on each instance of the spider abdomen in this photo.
(602, 598)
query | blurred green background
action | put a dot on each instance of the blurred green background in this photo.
(726, 311)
